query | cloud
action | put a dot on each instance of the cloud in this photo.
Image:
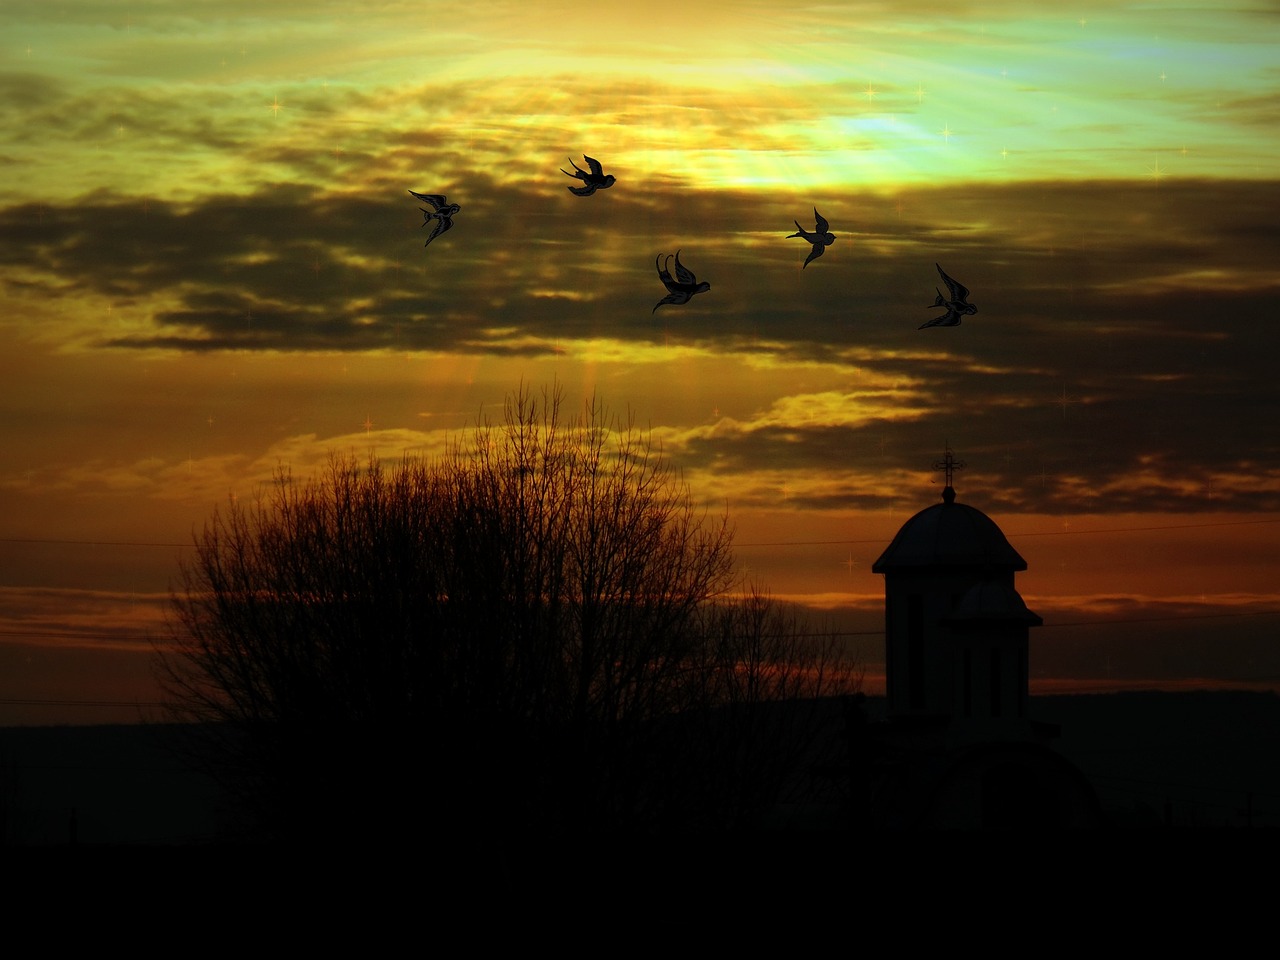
(1106, 369)
(87, 612)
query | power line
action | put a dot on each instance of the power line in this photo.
(81, 703)
(93, 543)
(1171, 526)
(1038, 533)
(760, 543)
(807, 635)
(806, 543)
(80, 635)
(1169, 619)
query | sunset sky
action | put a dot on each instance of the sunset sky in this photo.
(212, 268)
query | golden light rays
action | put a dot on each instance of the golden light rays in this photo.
(760, 105)
(213, 266)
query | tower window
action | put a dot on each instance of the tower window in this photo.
(915, 650)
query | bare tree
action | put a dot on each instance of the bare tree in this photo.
(537, 631)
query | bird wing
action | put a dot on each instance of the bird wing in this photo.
(959, 292)
(594, 164)
(822, 225)
(948, 319)
(678, 296)
(443, 223)
(586, 191)
(436, 200)
(814, 254)
(663, 273)
(683, 273)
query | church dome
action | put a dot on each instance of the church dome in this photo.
(949, 535)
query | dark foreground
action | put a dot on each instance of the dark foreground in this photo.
(1193, 764)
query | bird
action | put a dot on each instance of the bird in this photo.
(442, 212)
(682, 288)
(958, 306)
(597, 179)
(820, 238)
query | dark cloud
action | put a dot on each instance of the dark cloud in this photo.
(23, 91)
(1121, 331)
(1038, 265)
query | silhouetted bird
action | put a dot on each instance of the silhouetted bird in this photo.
(597, 179)
(819, 238)
(958, 306)
(682, 288)
(442, 213)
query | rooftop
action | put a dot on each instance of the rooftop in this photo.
(949, 535)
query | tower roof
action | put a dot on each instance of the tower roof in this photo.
(949, 535)
(992, 601)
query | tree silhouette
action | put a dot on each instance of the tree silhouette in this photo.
(538, 631)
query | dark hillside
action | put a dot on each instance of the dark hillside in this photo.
(1203, 759)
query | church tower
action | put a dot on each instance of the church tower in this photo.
(956, 630)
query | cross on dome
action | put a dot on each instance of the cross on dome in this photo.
(949, 465)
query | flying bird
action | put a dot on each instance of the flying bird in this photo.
(957, 306)
(442, 212)
(597, 179)
(683, 287)
(820, 238)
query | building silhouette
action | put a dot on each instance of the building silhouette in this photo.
(958, 748)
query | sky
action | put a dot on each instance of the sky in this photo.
(212, 269)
